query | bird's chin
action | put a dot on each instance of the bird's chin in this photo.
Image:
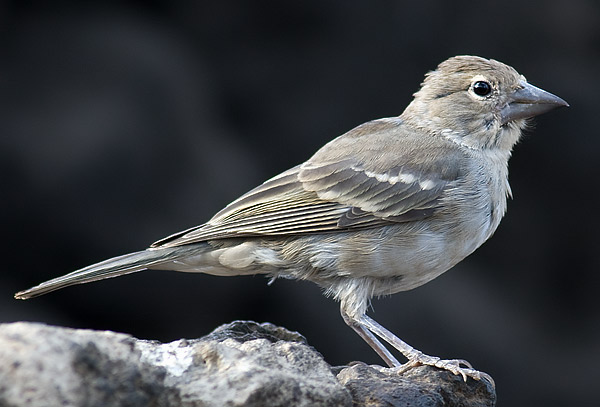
(518, 124)
(510, 133)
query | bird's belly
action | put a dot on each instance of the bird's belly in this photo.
(404, 257)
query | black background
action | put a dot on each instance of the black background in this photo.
(122, 122)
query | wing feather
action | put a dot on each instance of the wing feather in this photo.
(342, 187)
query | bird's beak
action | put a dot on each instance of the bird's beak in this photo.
(529, 101)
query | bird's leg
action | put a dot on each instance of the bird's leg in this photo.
(372, 340)
(414, 356)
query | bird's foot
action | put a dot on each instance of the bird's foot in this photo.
(459, 367)
(368, 328)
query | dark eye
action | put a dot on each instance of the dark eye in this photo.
(482, 88)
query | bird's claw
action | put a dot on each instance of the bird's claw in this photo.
(459, 367)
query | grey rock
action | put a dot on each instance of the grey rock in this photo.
(239, 364)
(422, 386)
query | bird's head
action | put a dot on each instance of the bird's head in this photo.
(478, 102)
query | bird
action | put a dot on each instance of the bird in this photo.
(386, 207)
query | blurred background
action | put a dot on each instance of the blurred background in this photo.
(123, 122)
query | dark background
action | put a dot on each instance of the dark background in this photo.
(122, 122)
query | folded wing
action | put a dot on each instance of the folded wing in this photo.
(339, 188)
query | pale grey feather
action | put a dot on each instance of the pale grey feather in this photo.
(114, 267)
(339, 189)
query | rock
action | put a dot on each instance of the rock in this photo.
(422, 386)
(238, 364)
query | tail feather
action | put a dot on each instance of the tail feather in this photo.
(117, 266)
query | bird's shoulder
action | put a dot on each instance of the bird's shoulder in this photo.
(389, 145)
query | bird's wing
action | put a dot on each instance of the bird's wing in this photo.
(362, 179)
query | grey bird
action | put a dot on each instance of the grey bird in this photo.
(383, 208)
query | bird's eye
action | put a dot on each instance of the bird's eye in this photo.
(482, 88)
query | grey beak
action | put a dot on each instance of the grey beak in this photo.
(529, 101)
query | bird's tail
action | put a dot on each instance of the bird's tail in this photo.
(117, 266)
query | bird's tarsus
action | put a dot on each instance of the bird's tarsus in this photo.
(368, 329)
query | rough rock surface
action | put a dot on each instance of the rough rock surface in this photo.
(420, 387)
(238, 364)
